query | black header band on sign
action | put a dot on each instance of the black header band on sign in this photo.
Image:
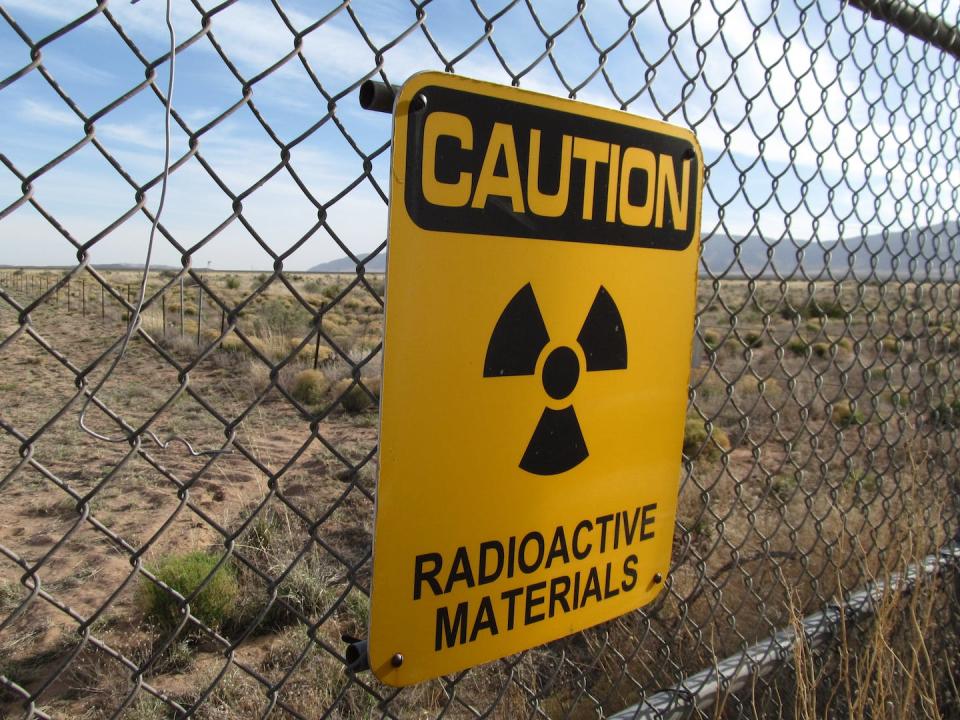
(483, 165)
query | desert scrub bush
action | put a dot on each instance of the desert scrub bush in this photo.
(11, 595)
(256, 375)
(788, 312)
(332, 290)
(314, 285)
(273, 543)
(845, 414)
(711, 340)
(946, 415)
(310, 386)
(891, 344)
(377, 283)
(703, 444)
(706, 383)
(257, 345)
(232, 282)
(798, 346)
(278, 316)
(862, 481)
(833, 310)
(214, 606)
(232, 345)
(770, 388)
(353, 398)
(752, 339)
(821, 349)
(782, 487)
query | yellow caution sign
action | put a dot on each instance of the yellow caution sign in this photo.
(541, 281)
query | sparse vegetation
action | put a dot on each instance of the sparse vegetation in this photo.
(353, 398)
(821, 349)
(711, 340)
(796, 451)
(783, 487)
(701, 443)
(310, 386)
(214, 605)
(797, 346)
(845, 414)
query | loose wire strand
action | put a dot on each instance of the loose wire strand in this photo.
(135, 317)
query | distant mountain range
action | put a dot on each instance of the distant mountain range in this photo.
(345, 264)
(932, 252)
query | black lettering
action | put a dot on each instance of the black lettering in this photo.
(577, 552)
(450, 634)
(630, 570)
(483, 575)
(460, 570)
(422, 575)
(522, 554)
(616, 532)
(609, 592)
(602, 521)
(511, 597)
(558, 547)
(630, 530)
(504, 168)
(576, 590)
(592, 587)
(558, 596)
(486, 620)
(531, 602)
(511, 553)
(644, 521)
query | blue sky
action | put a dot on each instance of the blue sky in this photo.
(857, 144)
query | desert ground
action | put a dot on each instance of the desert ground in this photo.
(820, 438)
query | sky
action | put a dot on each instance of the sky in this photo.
(821, 124)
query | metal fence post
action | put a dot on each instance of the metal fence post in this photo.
(199, 311)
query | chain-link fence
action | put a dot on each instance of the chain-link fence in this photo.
(200, 544)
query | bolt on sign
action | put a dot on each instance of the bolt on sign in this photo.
(541, 281)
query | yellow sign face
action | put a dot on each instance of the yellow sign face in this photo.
(541, 280)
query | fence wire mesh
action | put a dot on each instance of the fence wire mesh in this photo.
(211, 564)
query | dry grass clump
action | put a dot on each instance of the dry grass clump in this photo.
(355, 399)
(214, 605)
(232, 345)
(699, 442)
(895, 663)
(845, 414)
(711, 340)
(798, 346)
(310, 386)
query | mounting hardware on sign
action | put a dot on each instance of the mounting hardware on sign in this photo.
(378, 96)
(356, 654)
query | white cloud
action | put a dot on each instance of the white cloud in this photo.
(40, 112)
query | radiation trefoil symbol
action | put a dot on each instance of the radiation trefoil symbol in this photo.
(520, 336)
